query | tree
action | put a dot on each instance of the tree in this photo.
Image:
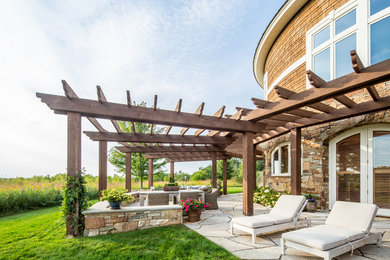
(139, 165)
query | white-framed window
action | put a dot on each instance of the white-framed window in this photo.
(280, 160)
(360, 25)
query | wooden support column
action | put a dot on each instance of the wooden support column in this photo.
(254, 169)
(128, 172)
(172, 170)
(150, 173)
(224, 173)
(247, 172)
(102, 166)
(214, 171)
(296, 161)
(74, 160)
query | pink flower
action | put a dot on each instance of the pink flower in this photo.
(181, 200)
(184, 204)
(186, 209)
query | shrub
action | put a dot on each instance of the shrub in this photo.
(266, 196)
(115, 195)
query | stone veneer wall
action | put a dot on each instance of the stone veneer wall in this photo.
(315, 155)
(100, 221)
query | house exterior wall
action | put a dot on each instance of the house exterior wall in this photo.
(287, 50)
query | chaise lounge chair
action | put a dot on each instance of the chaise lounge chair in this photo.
(346, 228)
(285, 214)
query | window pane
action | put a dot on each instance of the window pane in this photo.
(276, 165)
(284, 161)
(380, 40)
(321, 37)
(346, 21)
(322, 64)
(378, 5)
(382, 169)
(348, 169)
(343, 57)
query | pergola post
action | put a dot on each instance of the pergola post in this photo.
(214, 171)
(74, 157)
(102, 166)
(150, 173)
(172, 164)
(296, 161)
(254, 169)
(128, 172)
(224, 174)
(247, 172)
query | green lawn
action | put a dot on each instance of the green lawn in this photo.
(41, 234)
(231, 190)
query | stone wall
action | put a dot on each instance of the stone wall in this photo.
(100, 220)
(315, 155)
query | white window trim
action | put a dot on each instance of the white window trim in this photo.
(277, 149)
(362, 29)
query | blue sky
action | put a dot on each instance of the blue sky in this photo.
(200, 51)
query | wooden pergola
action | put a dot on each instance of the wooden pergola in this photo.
(234, 135)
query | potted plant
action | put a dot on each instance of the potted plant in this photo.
(115, 197)
(311, 205)
(193, 208)
(171, 186)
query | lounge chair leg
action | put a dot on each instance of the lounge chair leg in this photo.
(282, 246)
(253, 237)
(231, 228)
(379, 242)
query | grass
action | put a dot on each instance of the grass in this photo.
(231, 190)
(41, 234)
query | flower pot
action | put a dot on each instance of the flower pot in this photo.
(311, 206)
(194, 215)
(115, 204)
(171, 188)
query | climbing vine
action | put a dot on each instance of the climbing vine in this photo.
(74, 203)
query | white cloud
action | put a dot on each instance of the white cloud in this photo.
(189, 50)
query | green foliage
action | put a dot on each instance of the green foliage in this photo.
(204, 173)
(139, 165)
(172, 182)
(39, 235)
(74, 203)
(311, 197)
(193, 204)
(115, 195)
(266, 196)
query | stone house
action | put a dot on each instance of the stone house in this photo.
(345, 160)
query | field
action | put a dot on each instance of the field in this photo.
(41, 234)
(22, 194)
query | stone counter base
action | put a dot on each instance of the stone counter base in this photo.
(112, 221)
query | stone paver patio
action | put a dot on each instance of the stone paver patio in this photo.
(215, 225)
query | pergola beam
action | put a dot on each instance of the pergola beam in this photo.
(157, 138)
(372, 75)
(164, 149)
(114, 111)
(181, 155)
(194, 159)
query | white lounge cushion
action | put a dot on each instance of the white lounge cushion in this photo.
(260, 220)
(349, 234)
(352, 215)
(315, 238)
(288, 206)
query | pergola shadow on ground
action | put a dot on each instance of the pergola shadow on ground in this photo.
(215, 225)
(235, 135)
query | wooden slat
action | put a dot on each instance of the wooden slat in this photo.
(372, 75)
(177, 109)
(114, 111)
(194, 159)
(217, 114)
(198, 112)
(337, 114)
(157, 138)
(102, 99)
(373, 93)
(180, 155)
(357, 64)
(345, 101)
(163, 149)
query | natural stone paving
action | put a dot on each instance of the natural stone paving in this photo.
(215, 225)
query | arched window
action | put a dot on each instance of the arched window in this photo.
(280, 160)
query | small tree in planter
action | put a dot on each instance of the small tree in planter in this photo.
(116, 196)
(311, 205)
(193, 208)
